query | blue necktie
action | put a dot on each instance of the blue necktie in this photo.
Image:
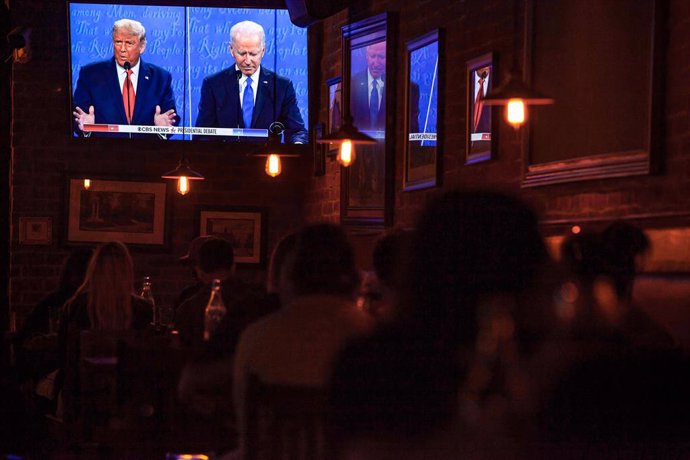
(373, 104)
(248, 103)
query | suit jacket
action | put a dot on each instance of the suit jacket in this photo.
(359, 104)
(98, 85)
(275, 101)
(413, 110)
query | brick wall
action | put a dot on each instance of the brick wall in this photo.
(475, 27)
(43, 154)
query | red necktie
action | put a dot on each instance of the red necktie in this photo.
(128, 97)
(478, 104)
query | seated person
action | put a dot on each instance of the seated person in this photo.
(217, 261)
(191, 259)
(298, 344)
(104, 302)
(36, 354)
(381, 290)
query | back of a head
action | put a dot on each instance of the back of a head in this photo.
(74, 270)
(216, 254)
(280, 253)
(468, 244)
(624, 243)
(323, 262)
(109, 283)
(583, 256)
(390, 255)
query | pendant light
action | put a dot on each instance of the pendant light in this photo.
(348, 137)
(183, 173)
(515, 93)
(275, 151)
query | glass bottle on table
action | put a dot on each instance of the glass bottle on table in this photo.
(147, 295)
(214, 312)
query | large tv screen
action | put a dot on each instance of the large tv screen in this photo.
(182, 77)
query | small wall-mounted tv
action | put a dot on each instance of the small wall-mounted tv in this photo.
(185, 64)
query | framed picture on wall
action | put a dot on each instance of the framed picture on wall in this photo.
(481, 138)
(132, 212)
(335, 104)
(422, 108)
(367, 184)
(244, 227)
(35, 230)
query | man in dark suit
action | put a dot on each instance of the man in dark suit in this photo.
(481, 113)
(248, 95)
(368, 107)
(363, 92)
(124, 90)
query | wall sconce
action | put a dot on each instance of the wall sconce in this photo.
(87, 184)
(183, 173)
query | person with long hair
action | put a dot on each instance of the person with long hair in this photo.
(105, 302)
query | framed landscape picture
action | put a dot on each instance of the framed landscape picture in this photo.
(244, 227)
(131, 212)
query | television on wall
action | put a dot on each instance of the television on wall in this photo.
(186, 84)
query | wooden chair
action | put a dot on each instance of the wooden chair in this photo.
(148, 373)
(127, 388)
(97, 377)
(285, 422)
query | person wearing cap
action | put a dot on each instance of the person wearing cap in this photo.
(205, 384)
(215, 260)
(192, 260)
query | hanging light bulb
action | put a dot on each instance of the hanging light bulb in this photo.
(346, 138)
(87, 184)
(183, 185)
(274, 150)
(515, 112)
(273, 165)
(515, 93)
(183, 173)
(346, 153)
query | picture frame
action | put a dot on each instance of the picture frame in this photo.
(620, 123)
(132, 212)
(423, 75)
(481, 119)
(35, 231)
(319, 150)
(367, 185)
(335, 104)
(244, 227)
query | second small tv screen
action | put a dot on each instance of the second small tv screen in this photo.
(185, 65)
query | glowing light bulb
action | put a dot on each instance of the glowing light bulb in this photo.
(346, 153)
(575, 229)
(87, 184)
(183, 185)
(273, 165)
(515, 112)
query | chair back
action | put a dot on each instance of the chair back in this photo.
(97, 391)
(127, 386)
(148, 373)
(285, 422)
